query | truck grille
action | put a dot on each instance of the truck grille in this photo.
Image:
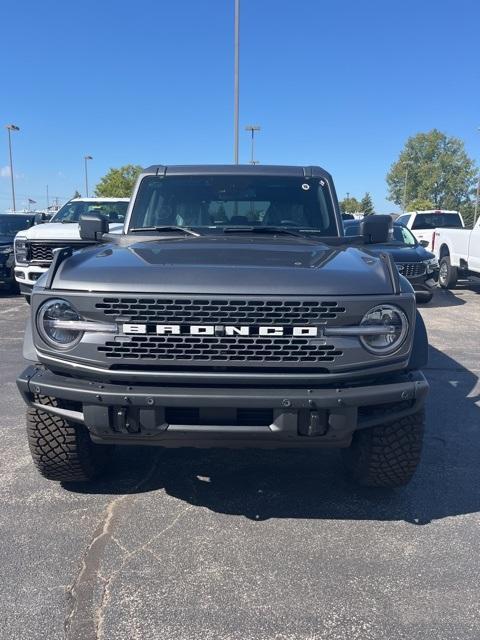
(220, 311)
(411, 269)
(220, 350)
(41, 252)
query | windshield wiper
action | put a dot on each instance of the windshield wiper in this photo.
(166, 229)
(272, 230)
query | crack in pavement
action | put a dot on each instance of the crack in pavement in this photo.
(81, 621)
(107, 591)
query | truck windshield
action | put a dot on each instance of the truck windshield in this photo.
(212, 202)
(71, 212)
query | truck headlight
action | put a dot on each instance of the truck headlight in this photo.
(53, 323)
(431, 264)
(396, 328)
(21, 251)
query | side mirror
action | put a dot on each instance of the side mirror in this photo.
(424, 243)
(376, 229)
(42, 217)
(93, 226)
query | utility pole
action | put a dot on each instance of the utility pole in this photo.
(475, 215)
(86, 158)
(407, 163)
(252, 128)
(47, 199)
(10, 128)
(236, 95)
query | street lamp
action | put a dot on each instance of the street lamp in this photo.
(10, 128)
(86, 158)
(407, 163)
(236, 93)
(252, 128)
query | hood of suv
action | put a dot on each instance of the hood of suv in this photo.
(59, 231)
(225, 265)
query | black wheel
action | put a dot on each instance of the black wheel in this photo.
(448, 276)
(62, 450)
(423, 297)
(387, 455)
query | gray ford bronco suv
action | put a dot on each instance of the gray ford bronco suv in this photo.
(231, 311)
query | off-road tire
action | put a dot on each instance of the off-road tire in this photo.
(448, 275)
(62, 450)
(387, 455)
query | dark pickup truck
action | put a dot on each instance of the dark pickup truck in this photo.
(232, 311)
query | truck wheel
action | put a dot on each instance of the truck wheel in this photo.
(448, 276)
(62, 450)
(387, 455)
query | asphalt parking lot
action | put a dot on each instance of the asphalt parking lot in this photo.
(244, 545)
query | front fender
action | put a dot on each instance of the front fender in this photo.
(29, 352)
(419, 354)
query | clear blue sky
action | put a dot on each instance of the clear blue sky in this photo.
(341, 84)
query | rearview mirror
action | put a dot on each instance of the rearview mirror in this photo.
(376, 229)
(93, 226)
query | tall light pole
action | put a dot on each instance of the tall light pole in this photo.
(407, 163)
(475, 215)
(86, 158)
(236, 93)
(10, 128)
(252, 128)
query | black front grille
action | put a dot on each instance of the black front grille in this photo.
(411, 269)
(220, 350)
(41, 252)
(220, 311)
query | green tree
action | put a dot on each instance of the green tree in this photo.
(419, 204)
(118, 183)
(350, 205)
(366, 205)
(439, 171)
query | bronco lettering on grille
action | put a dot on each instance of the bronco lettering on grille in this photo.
(219, 330)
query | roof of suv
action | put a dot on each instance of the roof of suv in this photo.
(238, 169)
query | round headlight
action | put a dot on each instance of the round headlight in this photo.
(52, 322)
(395, 325)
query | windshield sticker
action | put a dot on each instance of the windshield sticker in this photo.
(305, 186)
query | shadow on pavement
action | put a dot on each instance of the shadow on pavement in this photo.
(262, 484)
(443, 298)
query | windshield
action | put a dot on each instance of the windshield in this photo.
(71, 212)
(400, 234)
(434, 220)
(212, 202)
(10, 224)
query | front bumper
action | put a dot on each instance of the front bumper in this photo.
(27, 276)
(296, 417)
(426, 283)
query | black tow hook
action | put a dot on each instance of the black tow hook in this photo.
(312, 423)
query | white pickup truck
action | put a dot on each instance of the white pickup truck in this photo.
(423, 223)
(34, 247)
(458, 251)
